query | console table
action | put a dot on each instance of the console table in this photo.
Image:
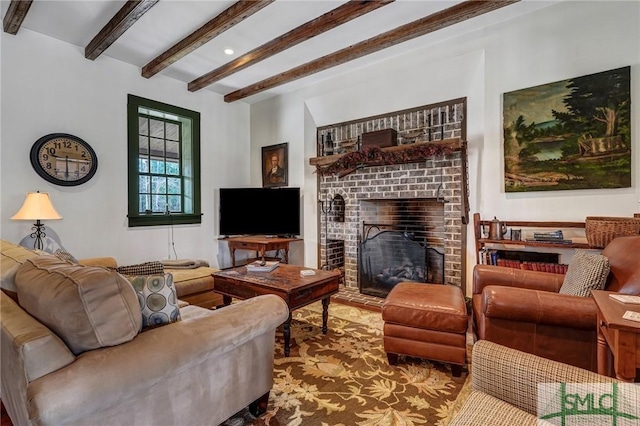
(260, 244)
(617, 337)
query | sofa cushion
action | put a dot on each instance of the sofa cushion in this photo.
(157, 297)
(148, 268)
(87, 306)
(586, 272)
(11, 257)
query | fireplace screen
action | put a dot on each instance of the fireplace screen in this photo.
(387, 258)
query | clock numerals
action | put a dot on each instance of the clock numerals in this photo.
(64, 159)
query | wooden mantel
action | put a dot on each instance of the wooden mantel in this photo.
(455, 144)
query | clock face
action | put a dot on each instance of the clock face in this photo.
(64, 159)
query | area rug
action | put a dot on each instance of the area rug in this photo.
(343, 378)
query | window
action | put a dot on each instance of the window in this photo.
(164, 163)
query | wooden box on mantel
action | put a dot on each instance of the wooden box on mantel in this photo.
(381, 138)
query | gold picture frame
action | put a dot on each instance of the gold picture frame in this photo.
(275, 165)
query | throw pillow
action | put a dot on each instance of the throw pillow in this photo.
(148, 268)
(65, 255)
(157, 298)
(89, 307)
(12, 256)
(586, 272)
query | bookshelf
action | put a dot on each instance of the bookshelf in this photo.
(529, 227)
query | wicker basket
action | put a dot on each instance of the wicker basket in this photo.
(601, 230)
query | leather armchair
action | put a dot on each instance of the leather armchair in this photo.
(522, 309)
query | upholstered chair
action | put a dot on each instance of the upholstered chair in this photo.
(524, 310)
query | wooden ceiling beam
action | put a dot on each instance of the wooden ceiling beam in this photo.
(338, 16)
(121, 22)
(235, 14)
(434, 22)
(16, 13)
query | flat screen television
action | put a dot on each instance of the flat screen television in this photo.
(260, 211)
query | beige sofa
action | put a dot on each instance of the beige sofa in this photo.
(193, 285)
(504, 388)
(98, 367)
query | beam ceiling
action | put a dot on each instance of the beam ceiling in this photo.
(233, 15)
(16, 13)
(121, 22)
(436, 21)
(323, 23)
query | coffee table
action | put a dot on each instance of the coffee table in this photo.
(284, 281)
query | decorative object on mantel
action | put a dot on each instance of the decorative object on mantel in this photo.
(374, 155)
(381, 138)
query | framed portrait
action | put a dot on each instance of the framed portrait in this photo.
(275, 165)
(570, 134)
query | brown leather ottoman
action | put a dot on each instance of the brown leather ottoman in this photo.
(426, 321)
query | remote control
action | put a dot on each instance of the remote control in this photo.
(631, 315)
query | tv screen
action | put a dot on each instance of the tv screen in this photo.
(259, 211)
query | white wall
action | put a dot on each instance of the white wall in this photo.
(48, 86)
(561, 41)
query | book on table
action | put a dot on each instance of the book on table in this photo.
(626, 298)
(259, 266)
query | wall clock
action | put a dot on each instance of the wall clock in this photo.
(64, 159)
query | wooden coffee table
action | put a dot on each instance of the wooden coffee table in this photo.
(285, 281)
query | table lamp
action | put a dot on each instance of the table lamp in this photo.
(37, 206)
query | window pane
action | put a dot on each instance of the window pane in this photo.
(172, 131)
(173, 168)
(158, 185)
(174, 203)
(157, 128)
(173, 150)
(157, 166)
(145, 184)
(143, 126)
(143, 164)
(145, 203)
(173, 186)
(159, 203)
(157, 147)
(143, 145)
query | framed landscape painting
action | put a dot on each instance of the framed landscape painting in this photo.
(275, 165)
(571, 134)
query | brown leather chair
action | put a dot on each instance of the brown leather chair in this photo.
(522, 309)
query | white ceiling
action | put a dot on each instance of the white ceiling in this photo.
(77, 22)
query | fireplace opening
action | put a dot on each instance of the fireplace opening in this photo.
(387, 257)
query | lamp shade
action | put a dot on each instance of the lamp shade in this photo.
(37, 206)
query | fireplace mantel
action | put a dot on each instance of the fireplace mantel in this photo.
(454, 144)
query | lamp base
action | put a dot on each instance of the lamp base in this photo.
(38, 234)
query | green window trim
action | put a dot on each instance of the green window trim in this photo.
(190, 164)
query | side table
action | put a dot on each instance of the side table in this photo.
(617, 337)
(259, 244)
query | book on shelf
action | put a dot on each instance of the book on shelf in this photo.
(626, 298)
(546, 236)
(258, 266)
(550, 240)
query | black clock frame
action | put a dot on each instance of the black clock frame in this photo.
(35, 162)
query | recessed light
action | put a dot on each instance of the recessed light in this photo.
(228, 51)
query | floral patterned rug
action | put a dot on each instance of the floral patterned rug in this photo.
(343, 378)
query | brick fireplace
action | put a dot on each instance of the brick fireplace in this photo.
(427, 198)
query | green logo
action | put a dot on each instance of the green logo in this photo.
(583, 403)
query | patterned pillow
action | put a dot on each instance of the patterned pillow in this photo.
(586, 272)
(65, 255)
(157, 297)
(148, 268)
